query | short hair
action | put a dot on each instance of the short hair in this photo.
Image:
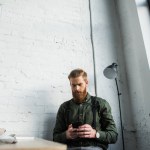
(77, 73)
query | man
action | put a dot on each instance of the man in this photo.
(84, 122)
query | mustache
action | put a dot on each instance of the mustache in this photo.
(78, 92)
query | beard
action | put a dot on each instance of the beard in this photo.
(79, 96)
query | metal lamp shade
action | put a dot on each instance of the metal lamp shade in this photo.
(110, 72)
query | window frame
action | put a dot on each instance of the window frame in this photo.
(148, 2)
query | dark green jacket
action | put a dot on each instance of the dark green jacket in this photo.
(105, 124)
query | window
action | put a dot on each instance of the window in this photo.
(144, 17)
(148, 2)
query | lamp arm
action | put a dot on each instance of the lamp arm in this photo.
(120, 114)
(117, 87)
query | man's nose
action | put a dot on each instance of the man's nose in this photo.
(77, 88)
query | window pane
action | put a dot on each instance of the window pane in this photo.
(144, 17)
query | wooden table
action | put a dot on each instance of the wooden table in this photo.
(33, 144)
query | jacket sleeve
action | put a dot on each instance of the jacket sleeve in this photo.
(59, 132)
(108, 132)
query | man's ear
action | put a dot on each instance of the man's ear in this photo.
(70, 83)
(87, 82)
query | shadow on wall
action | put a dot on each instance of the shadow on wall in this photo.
(48, 116)
(36, 114)
(49, 126)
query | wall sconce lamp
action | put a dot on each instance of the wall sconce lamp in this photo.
(110, 72)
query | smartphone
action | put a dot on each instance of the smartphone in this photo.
(77, 124)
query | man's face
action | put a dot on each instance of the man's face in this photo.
(79, 88)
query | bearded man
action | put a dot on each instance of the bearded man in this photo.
(85, 121)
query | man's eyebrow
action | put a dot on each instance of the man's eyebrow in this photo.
(77, 84)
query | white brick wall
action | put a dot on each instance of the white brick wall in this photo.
(40, 43)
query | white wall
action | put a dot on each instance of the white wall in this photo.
(137, 72)
(40, 43)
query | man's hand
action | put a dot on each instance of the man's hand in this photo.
(86, 131)
(83, 131)
(71, 132)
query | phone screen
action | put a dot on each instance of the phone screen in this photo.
(76, 124)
